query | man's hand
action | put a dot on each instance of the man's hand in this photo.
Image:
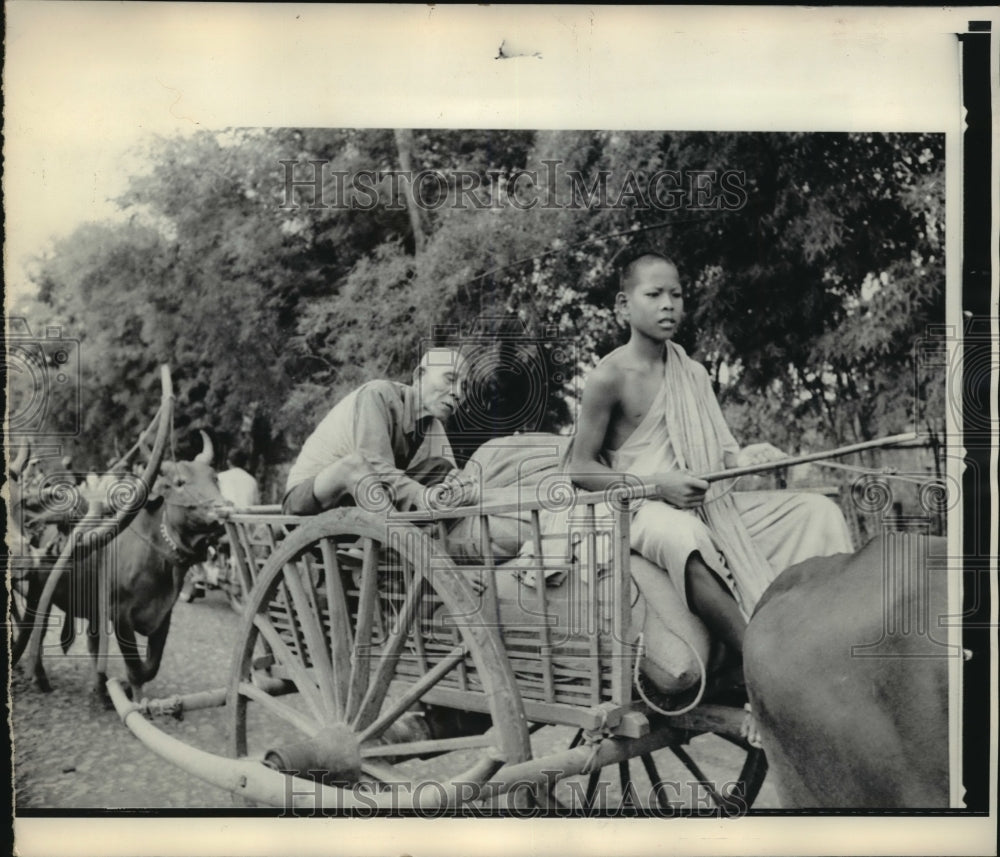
(680, 488)
(759, 453)
(456, 489)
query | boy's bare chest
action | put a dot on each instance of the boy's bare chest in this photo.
(636, 396)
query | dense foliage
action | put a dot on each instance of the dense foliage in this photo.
(808, 287)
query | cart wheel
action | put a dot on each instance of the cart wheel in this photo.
(685, 789)
(382, 669)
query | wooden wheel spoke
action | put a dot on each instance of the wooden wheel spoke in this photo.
(361, 650)
(298, 674)
(431, 745)
(628, 790)
(592, 781)
(699, 775)
(281, 709)
(307, 612)
(413, 693)
(379, 685)
(655, 781)
(341, 638)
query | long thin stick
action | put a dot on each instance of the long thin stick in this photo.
(809, 456)
(885, 473)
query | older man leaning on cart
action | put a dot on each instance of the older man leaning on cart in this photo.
(384, 434)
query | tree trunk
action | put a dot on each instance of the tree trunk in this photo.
(404, 148)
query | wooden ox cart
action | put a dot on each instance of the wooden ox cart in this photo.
(374, 671)
(371, 671)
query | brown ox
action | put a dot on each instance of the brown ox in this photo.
(847, 677)
(145, 567)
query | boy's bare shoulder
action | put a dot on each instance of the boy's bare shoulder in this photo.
(608, 374)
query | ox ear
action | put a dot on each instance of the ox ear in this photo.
(165, 477)
(207, 450)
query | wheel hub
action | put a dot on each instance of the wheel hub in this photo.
(331, 755)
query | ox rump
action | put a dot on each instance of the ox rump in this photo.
(848, 677)
(143, 567)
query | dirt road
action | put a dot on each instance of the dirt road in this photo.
(71, 753)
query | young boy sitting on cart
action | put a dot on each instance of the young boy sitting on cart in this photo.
(649, 411)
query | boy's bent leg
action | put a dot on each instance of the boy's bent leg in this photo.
(711, 599)
(668, 536)
(678, 541)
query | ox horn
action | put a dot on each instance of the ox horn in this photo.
(17, 465)
(207, 450)
(144, 446)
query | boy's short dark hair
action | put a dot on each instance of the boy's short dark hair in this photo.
(238, 458)
(630, 260)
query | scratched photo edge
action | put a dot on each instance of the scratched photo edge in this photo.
(954, 171)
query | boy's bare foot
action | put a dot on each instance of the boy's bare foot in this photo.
(749, 730)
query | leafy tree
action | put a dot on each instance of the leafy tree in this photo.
(270, 301)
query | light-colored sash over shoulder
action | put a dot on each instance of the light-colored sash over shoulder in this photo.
(684, 429)
(698, 436)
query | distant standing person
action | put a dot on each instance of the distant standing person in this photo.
(236, 484)
(383, 432)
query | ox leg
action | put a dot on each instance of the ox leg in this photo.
(154, 649)
(134, 666)
(35, 619)
(68, 633)
(23, 623)
(99, 690)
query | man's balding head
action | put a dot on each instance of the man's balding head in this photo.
(440, 380)
(441, 357)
